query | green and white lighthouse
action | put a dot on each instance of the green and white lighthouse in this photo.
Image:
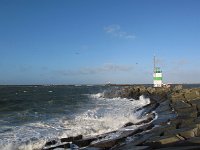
(157, 75)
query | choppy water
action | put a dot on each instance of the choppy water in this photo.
(31, 115)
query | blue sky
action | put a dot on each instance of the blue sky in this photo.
(96, 41)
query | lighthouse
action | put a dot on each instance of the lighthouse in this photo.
(157, 75)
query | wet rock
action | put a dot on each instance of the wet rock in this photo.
(71, 139)
(186, 133)
(150, 117)
(106, 144)
(84, 142)
(180, 105)
(149, 108)
(181, 148)
(128, 124)
(187, 112)
(196, 103)
(65, 145)
(131, 147)
(52, 142)
(92, 148)
(163, 107)
(160, 131)
(194, 140)
(181, 122)
(161, 141)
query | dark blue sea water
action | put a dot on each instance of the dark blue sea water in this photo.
(32, 115)
(22, 104)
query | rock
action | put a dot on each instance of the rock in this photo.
(59, 149)
(178, 88)
(150, 117)
(65, 145)
(71, 139)
(186, 133)
(92, 148)
(192, 94)
(84, 142)
(151, 90)
(128, 124)
(149, 108)
(181, 122)
(177, 97)
(180, 105)
(181, 148)
(161, 141)
(106, 144)
(164, 118)
(140, 139)
(49, 143)
(130, 147)
(159, 131)
(187, 112)
(163, 107)
(194, 140)
(196, 103)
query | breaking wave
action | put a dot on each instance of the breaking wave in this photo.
(106, 115)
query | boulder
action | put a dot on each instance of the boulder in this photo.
(178, 88)
(106, 144)
(163, 107)
(181, 148)
(52, 142)
(187, 112)
(85, 141)
(131, 147)
(65, 146)
(177, 97)
(194, 140)
(162, 141)
(128, 124)
(92, 148)
(192, 94)
(196, 103)
(151, 90)
(181, 122)
(180, 105)
(186, 133)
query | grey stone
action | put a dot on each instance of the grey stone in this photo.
(180, 105)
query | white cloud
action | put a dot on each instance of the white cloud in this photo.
(115, 30)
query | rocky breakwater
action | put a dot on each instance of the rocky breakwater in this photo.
(172, 122)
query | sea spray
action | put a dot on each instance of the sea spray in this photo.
(97, 115)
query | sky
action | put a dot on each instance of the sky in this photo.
(98, 41)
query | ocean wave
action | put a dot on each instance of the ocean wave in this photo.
(95, 96)
(107, 115)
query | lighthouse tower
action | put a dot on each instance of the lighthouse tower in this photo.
(157, 75)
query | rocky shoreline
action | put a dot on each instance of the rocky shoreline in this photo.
(172, 122)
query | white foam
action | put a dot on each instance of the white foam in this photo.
(96, 96)
(106, 116)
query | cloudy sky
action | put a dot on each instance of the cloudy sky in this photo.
(98, 41)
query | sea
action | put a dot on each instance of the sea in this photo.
(32, 115)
